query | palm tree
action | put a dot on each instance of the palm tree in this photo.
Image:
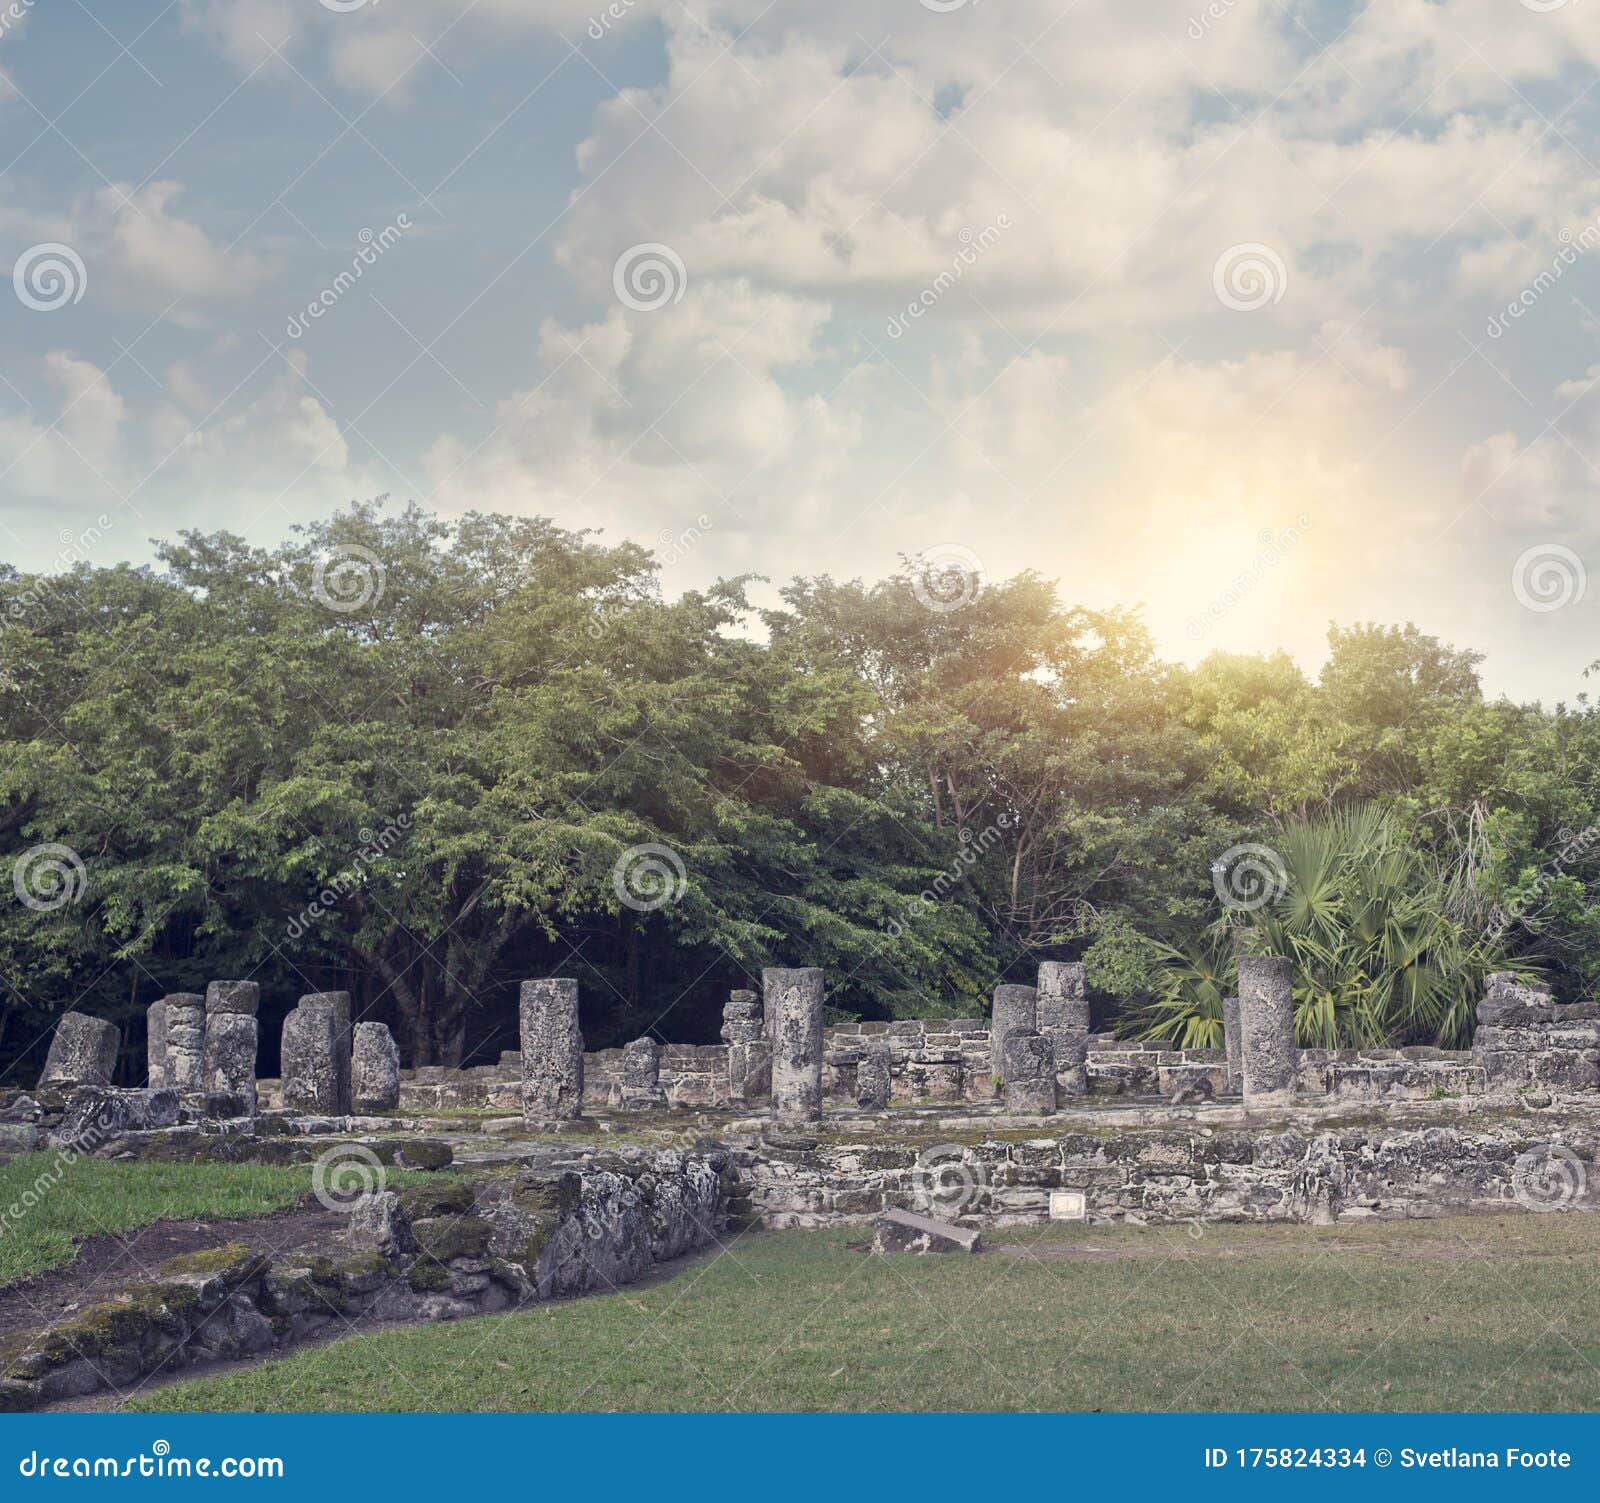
(1390, 941)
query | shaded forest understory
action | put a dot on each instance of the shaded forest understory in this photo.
(422, 759)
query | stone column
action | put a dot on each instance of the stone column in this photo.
(374, 1069)
(1029, 1059)
(794, 1003)
(339, 1002)
(155, 1045)
(186, 1042)
(1230, 1041)
(552, 1051)
(1014, 1007)
(232, 1037)
(641, 1074)
(1064, 1020)
(874, 1079)
(83, 1050)
(1267, 1057)
(744, 1031)
(309, 1069)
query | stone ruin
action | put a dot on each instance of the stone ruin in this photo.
(931, 1129)
(1257, 1128)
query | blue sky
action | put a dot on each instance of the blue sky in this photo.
(1210, 299)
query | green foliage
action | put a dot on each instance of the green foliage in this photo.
(419, 774)
(1388, 942)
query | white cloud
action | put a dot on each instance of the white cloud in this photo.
(74, 453)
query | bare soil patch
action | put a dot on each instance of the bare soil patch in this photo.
(105, 1264)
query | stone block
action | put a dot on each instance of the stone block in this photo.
(374, 1069)
(83, 1051)
(794, 999)
(155, 1045)
(186, 1041)
(1014, 1007)
(241, 997)
(552, 1051)
(1266, 1029)
(230, 1060)
(900, 1231)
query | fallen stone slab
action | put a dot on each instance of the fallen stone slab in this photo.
(907, 1232)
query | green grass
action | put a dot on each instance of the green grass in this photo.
(86, 1196)
(1463, 1314)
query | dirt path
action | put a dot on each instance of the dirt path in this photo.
(106, 1263)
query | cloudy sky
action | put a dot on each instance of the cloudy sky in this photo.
(1258, 312)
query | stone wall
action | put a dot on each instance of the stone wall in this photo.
(1146, 1175)
(948, 1060)
(436, 1251)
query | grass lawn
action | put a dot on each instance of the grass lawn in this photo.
(88, 1196)
(1463, 1314)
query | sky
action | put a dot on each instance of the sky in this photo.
(1255, 313)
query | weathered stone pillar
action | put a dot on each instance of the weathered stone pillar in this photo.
(1064, 1020)
(232, 1037)
(1230, 1042)
(1014, 1007)
(309, 1068)
(155, 1045)
(874, 1078)
(552, 1051)
(339, 1002)
(186, 1042)
(374, 1069)
(641, 1064)
(641, 1074)
(83, 1050)
(1267, 1057)
(1029, 1060)
(794, 1002)
(744, 1031)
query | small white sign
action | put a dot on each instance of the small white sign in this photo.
(1068, 1205)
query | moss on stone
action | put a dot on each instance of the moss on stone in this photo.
(452, 1237)
(422, 1153)
(428, 1277)
(234, 1262)
(361, 1265)
(450, 1197)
